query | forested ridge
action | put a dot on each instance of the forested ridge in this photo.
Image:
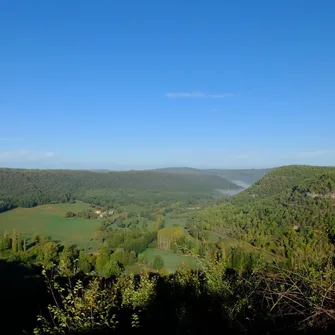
(290, 213)
(281, 180)
(27, 188)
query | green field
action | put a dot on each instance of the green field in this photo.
(49, 220)
(170, 222)
(171, 259)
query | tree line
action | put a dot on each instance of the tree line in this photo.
(28, 188)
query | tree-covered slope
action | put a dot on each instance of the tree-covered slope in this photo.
(290, 212)
(27, 188)
(281, 180)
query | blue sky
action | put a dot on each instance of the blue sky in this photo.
(142, 84)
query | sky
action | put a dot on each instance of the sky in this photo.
(144, 84)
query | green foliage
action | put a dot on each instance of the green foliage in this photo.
(187, 245)
(67, 259)
(28, 188)
(101, 260)
(284, 214)
(120, 256)
(134, 239)
(49, 254)
(142, 258)
(158, 262)
(5, 205)
(69, 214)
(112, 268)
(86, 309)
(15, 241)
(5, 242)
(89, 213)
(171, 259)
(281, 180)
(84, 262)
(83, 310)
(268, 296)
(137, 294)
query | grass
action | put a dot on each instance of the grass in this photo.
(169, 222)
(49, 220)
(171, 259)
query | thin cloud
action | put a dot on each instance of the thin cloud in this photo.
(316, 153)
(198, 95)
(215, 110)
(24, 155)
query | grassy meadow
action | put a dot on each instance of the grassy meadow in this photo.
(171, 259)
(49, 220)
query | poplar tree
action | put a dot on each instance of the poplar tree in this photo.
(14, 240)
(19, 241)
(7, 244)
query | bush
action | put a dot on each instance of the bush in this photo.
(69, 214)
(158, 262)
(142, 258)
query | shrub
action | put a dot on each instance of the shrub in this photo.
(158, 262)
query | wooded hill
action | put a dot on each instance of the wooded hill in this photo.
(282, 180)
(27, 188)
(290, 213)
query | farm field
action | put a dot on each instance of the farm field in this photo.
(49, 220)
(171, 259)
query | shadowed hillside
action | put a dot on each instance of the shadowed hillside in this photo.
(27, 188)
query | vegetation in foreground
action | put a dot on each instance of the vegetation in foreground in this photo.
(256, 299)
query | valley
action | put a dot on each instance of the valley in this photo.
(176, 227)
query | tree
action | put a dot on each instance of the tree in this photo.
(112, 268)
(5, 242)
(84, 262)
(102, 259)
(19, 241)
(120, 256)
(69, 214)
(36, 237)
(142, 258)
(158, 262)
(67, 260)
(14, 241)
(167, 236)
(49, 252)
